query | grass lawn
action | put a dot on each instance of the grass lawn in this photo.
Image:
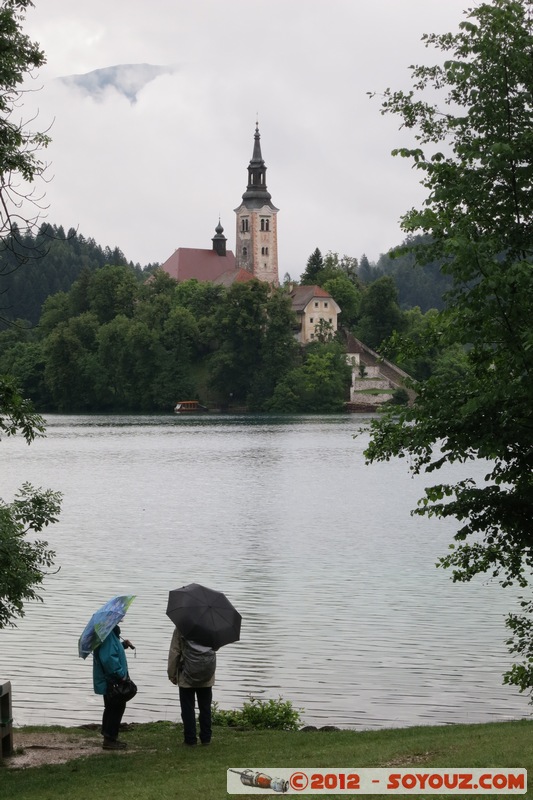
(157, 766)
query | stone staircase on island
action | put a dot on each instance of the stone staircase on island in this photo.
(374, 379)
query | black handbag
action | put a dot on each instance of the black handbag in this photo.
(122, 690)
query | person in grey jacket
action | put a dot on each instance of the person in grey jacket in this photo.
(189, 694)
(110, 664)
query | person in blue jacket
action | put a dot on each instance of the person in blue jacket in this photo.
(110, 666)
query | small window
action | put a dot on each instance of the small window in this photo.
(316, 305)
(244, 226)
(311, 319)
(325, 304)
(312, 336)
(245, 251)
(331, 320)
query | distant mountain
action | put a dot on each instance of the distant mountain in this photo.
(128, 79)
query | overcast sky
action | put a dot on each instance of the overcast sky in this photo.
(154, 175)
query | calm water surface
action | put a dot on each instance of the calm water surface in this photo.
(343, 610)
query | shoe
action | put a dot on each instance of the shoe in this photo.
(204, 744)
(189, 744)
(114, 744)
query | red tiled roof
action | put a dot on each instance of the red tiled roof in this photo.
(302, 295)
(204, 265)
(234, 276)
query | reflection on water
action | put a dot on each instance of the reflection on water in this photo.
(343, 610)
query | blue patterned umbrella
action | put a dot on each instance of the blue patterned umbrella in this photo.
(102, 623)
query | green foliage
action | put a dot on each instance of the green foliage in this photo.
(521, 643)
(321, 270)
(475, 161)
(364, 271)
(240, 322)
(114, 344)
(16, 412)
(313, 270)
(348, 297)
(24, 562)
(425, 347)
(319, 385)
(42, 268)
(380, 314)
(399, 397)
(112, 292)
(20, 147)
(258, 714)
(419, 280)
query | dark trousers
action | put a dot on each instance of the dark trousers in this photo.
(203, 695)
(112, 717)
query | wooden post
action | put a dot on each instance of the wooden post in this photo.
(6, 720)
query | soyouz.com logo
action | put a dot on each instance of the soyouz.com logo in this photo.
(404, 781)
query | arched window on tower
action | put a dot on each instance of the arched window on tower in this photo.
(265, 224)
(244, 227)
(245, 251)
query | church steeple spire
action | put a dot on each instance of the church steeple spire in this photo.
(257, 189)
(219, 240)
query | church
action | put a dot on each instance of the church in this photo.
(256, 238)
(256, 256)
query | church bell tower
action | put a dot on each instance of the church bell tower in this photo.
(257, 229)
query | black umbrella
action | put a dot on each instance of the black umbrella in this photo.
(204, 615)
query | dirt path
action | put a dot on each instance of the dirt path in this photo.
(37, 749)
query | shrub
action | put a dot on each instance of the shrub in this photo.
(399, 397)
(260, 715)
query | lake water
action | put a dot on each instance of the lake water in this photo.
(343, 610)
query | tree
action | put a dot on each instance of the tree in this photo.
(320, 385)
(347, 295)
(20, 164)
(279, 348)
(113, 290)
(474, 151)
(422, 285)
(241, 322)
(422, 349)
(179, 345)
(380, 314)
(344, 265)
(70, 364)
(315, 265)
(365, 271)
(23, 562)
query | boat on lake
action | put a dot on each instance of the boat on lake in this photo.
(189, 407)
